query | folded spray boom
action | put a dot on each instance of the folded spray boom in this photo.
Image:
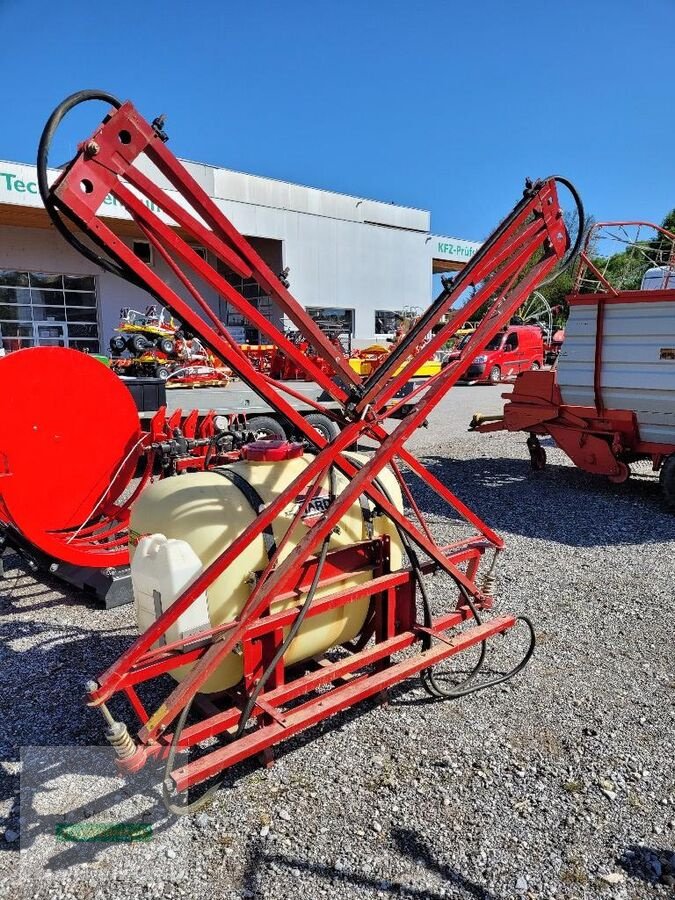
(342, 541)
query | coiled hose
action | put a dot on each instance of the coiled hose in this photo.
(116, 267)
(429, 681)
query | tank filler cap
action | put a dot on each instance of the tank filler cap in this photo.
(271, 451)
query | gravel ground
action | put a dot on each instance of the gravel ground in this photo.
(557, 785)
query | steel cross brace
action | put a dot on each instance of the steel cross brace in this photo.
(105, 165)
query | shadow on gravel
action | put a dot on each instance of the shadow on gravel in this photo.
(651, 864)
(42, 704)
(19, 598)
(406, 843)
(91, 765)
(562, 503)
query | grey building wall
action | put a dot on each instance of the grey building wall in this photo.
(332, 263)
(342, 251)
(43, 250)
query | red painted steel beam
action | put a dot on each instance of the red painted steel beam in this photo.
(508, 240)
(381, 390)
(207, 666)
(171, 656)
(279, 578)
(304, 684)
(161, 234)
(338, 699)
(534, 224)
(109, 156)
(204, 206)
(240, 365)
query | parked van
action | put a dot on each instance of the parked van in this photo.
(517, 348)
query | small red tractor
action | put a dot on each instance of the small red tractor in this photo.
(610, 401)
(277, 583)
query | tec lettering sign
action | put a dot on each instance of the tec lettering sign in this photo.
(12, 182)
(19, 187)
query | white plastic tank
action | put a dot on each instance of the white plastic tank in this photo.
(190, 519)
(161, 569)
(659, 278)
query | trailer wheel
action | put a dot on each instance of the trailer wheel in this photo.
(667, 481)
(166, 345)
(622, 475)
(138, 343)
(265, 428)
(537, 454)
(117, 344)
(495, 375)
(327, 428)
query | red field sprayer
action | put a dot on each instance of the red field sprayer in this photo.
(610, 401)
(277, 582)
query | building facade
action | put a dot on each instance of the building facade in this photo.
(356, 263)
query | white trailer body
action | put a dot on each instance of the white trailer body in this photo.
(637, 362)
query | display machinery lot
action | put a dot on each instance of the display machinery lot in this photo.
(560, 785)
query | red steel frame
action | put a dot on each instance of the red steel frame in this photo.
(513, 261)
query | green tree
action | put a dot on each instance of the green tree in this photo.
(662, 245)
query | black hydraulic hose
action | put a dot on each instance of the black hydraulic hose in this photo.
(395, 357)
(419, 578)
(427, 677)
(581, 230)
(167, 784)
(292, 632)
(432, 687)
(188, 808)
(403, 349)
(54, 213)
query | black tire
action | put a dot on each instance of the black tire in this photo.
(266, 428)
(538, 459)
(138, 343)
(495, 375)
(117, 344)
(162, 372)
(535, 366)
(667, 481)
(326, 427)
(537, 454)
(166, 345)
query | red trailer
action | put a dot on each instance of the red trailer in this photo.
(611, 399)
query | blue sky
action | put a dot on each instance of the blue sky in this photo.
(441, 105)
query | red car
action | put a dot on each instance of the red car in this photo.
(516, 349)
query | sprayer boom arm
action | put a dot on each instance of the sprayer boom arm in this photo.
(523, 251)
